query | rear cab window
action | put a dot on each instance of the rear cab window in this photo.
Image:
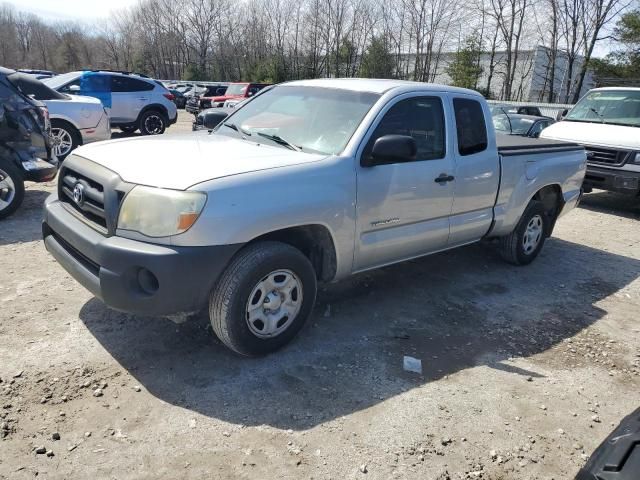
(471, 128)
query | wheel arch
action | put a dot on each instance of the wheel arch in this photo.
(551, 197)
(69, 122)
(314, 241)
(153, 106)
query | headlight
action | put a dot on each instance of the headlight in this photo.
(157, 212)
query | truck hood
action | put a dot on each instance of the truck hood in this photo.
(181, 161)
(597, 134)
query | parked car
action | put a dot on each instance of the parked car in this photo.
(310, 181)
(38, 74)
(523, 125)
(134, 102)
(178, 98)
(504, 109)
(25, 151)
(607, 122)
(75, 120)
(201, 99)
(233, 91)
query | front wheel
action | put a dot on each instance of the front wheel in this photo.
(11, 188)
(263, 298)
(523, 245)
(152, 122)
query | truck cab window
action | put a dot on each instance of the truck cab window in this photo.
(470, 126)
(421, 118)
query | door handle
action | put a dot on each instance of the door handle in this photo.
(444, 178)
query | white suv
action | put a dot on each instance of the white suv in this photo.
(133, 101)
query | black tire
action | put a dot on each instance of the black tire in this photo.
(152, 122)
(129, 128)
(63, 132)
(12, 192)
(512, 246)
(229, 300)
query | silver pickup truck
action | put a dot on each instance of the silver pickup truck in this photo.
(309, 181)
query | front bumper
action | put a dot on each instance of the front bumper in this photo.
(621, 181)
(133, 276)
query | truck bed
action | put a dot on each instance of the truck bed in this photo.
(517, 145)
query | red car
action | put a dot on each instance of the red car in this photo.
(234, 90)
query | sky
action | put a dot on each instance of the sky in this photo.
(71, 9)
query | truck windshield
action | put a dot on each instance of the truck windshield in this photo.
(616, 107)
(309, 118)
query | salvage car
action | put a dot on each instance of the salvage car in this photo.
(234, 91)
(607, 122)
(75, 120)
(25, 151)
(134, 101)
(522, 125)
(201, 99)
(311, 181)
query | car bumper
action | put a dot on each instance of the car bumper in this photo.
(101, 132)
(41, 171)
(133, 276)
(621, 181)
(192, 108)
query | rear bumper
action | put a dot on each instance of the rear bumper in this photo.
(101, 132)
(194, 109)
(621, 181)
(133, 276)
(41, 172)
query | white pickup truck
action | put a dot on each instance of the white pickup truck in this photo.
(607, 122)
(307, 182)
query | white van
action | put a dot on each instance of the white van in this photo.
(607, 122)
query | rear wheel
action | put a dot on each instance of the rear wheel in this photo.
(263, 298)
(11, 188)
(152, 122)
(524, 244)
(64, 138)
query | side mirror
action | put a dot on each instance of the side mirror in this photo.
(212, 119)
(74, 88)
(391, 149)
(563, 113)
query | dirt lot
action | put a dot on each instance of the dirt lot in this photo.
(525, 370)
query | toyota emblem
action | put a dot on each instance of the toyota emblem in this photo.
(78, 194)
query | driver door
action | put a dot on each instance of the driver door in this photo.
(403, 208)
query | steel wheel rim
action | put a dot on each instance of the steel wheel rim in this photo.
(532, 234)
(274, 303)
(7, 190)
(153, 124)
(62, 142)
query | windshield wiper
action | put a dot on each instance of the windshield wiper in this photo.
(238, 129)
(281, 141)
(598, 114)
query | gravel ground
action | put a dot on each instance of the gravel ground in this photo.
(525, 370)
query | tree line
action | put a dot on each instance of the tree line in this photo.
(476, 43)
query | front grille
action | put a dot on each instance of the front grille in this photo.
(606, 156)
(91, 204)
